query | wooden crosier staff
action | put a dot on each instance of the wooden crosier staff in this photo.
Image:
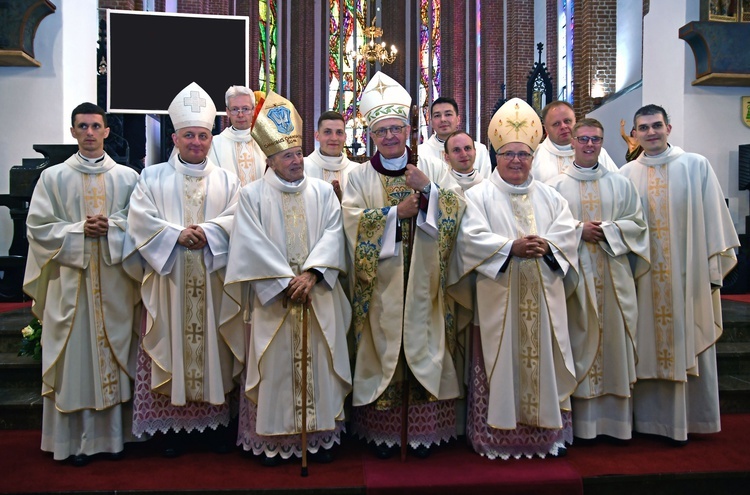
(305, 308)
(414, 160)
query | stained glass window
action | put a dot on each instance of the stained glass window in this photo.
(429, 61)
(347, 77)
(267, 44)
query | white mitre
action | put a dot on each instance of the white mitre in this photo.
(384, 98)
(192, 107)
(515, 122)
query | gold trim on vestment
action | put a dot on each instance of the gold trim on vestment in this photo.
(245, 162)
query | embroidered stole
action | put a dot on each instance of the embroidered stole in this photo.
(661, 269)
(194, 293)
(94, 198)
(331, 175)
(245, 162)
(295, 224)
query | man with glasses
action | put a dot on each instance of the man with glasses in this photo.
(445, 121)
(404, 341)
(692, 242)
(603, 314)
(518, 237)
(555, 153)
(234, 149)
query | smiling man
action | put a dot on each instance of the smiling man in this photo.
(445, 120)
(692, 242)
(234, 149)
(286, 254)
(518, 239)
(603, 314)
(180, 218)
(398, 301)
(461, 154)
(555, 153)
(329, 162)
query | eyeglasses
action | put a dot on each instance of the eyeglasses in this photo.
(586, 139)
(394, 129)
(510, 155)
(237, 111)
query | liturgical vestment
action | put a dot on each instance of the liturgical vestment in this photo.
(435, 149)
(87, 304)
(329, 168)
(395, 307)
(522, 373)
(237, 152)
(603, 313)
(550, 160)
(692, 241)
(281, 230)
(185, 366)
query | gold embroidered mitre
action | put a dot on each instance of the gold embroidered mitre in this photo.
(384, 98)
(515, 122)
(278, 126)
(192, 107)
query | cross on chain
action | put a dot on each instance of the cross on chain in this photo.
(194, 101)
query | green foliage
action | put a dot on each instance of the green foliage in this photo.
(31, 344)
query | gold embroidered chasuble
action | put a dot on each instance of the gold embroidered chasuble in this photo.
(291, 229)
(182, 289)
(692, 241)
(603, 313)
(521, 309)
(329, 168)
(398, 303)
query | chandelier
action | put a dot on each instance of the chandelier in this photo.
(372, 51)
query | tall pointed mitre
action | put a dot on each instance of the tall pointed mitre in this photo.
(278, 126)
(384, 98)
(515, 122)
(192, 107)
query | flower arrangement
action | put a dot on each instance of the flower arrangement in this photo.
(31, 344)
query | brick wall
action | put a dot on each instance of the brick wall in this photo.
(492, 69)
(301, 65)
(595, 48)
(551, 44)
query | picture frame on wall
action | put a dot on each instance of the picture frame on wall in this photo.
(721, 10)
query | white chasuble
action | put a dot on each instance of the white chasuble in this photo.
(182, 289)
(692, 241)
(390, 309)
(603, 313)
(281, 231)
(520, 303)
(435, 149)
(86, 302)
(329, 168)
(237, 152)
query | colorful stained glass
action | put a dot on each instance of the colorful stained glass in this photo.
(429, 61)
(267, 44)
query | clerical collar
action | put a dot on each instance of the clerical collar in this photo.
(519, 186)
(439, 140)
(329, 160)
(91, 160)
(561, 147)
(392, 167)
(467, 176)
(660, 155)
(394, 164)
(241, 133)
(585, 170)
(194, 166)
(287, 183)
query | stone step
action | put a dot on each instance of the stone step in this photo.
(11, 323)
(20, 408)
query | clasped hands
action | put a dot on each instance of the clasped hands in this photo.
(96, 226)
(592, 232)
(417, 180)
(530, 246)
(193, 237)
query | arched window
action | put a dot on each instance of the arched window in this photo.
(429, 61)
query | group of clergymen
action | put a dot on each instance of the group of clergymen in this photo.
(550, 297)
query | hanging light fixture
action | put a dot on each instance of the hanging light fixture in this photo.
(373, 51)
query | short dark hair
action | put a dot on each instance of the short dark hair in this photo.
(87, 108)
(444, 99)
(554, 104)
(456, 133)
(588, 122)
(330, 115)
(651, 109)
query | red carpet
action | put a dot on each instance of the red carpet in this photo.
(743, 298)
(451, 469)
(12, 306)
